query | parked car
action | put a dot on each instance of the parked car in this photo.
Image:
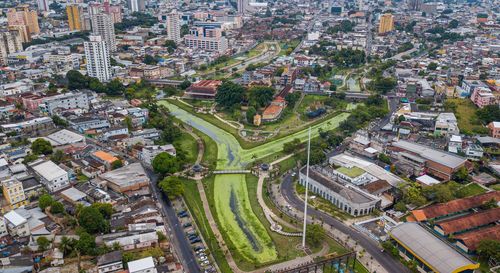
(197, 240)
(186, 225)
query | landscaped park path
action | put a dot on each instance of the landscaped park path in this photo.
(229, 258)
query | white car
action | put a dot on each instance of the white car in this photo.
(205, 262)
(203, 258)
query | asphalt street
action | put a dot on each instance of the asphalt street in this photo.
(372, 247)
(180, 242)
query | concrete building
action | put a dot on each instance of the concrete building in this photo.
(98, 59)
(24, 19)
(130, 179)
(482, 96)
(53, 177)
(415, 4)
(136, 5)
(432, 254)
(75, 16)
(148, 153)
(174, 27)
(204, 89)
(209, 39)
(17, 225)
(446, 124)
(110, 262)
(13, 192)
(435, 162)
(494, 127)
(146, 265)
(65, 101)
(103, 26)
(386, 23)
(32, 126)
(348, 198)
(43, 5)
(10, 42)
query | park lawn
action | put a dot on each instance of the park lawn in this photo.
(229, 211)
(286, 45)
(288, 164)
(210, 152)
(466, 116)
(276, 211)
(189, 145)
(286, 246)
(470, 189)
(309, 100)
(193, 201)
(257, 50)
(207, 117)
(495, 187)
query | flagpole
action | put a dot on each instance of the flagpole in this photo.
(307, 190)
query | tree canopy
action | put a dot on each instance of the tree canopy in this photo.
(41, 146)
(171, 186)
(261, 96)
(229, 94)
(315, 235)
(45, 200)
(91, 219)
(164, 163)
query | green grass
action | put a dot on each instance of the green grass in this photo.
(495, 187)
(351, 172)
(276, 211)
(189, 145)
(470, 190)
(193, 201)
(288, 164)
(466, 116)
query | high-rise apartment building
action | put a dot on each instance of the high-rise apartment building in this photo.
(97, 57)
(209, 39)
(136, 5)
(386, 23)
(414, 4)
(43, 5)
(10, 42)
(103, 26)
(75, 17)
(241, 6)
(23, 19)
(174, 26)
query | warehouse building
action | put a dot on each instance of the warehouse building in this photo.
(432, 254)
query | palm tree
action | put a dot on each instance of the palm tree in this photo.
(66, 245)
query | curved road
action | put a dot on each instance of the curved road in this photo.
(372, 247)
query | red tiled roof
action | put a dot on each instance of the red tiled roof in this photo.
(470, 221)
(454, 206)
(272, 110)
(472, 239)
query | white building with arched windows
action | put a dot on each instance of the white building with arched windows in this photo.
(348, 198)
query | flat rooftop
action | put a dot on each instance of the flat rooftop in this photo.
(352, 172)
(441, 157)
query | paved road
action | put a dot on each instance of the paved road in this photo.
(179, 241)
(372, 247)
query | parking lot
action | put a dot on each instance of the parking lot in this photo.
(203, 257)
